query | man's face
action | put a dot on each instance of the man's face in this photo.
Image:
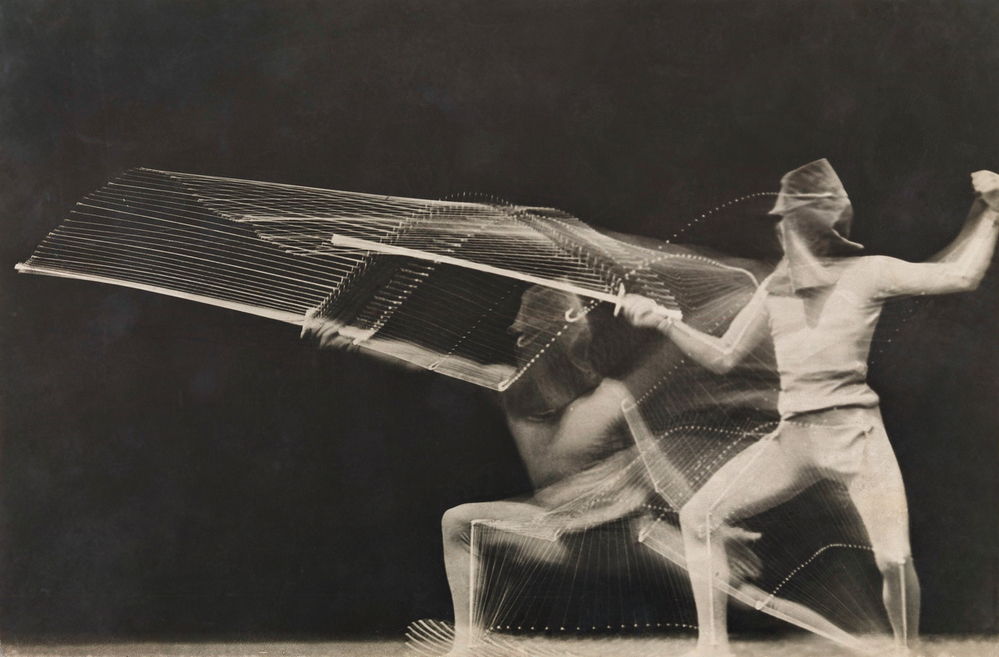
(543, 311)
(813, 219)
(846, 215)
(519, 326)
(778, 209)
(554, 347)
(779, 229)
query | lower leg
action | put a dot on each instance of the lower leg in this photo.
(707, 564)
(460, 526)
(901, 598)
(457, 565)
(879, 495)
(756, 479)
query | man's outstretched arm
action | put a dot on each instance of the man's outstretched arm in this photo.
(718, 354)
(961, 266)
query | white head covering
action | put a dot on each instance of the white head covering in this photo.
(816, 222)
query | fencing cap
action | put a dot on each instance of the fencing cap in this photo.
(817, 216)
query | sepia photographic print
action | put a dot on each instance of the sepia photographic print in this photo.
(591, 328)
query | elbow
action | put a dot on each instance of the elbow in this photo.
(723, 364)
(968, 282)
(972, 283)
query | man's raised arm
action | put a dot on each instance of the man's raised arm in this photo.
(959, 267)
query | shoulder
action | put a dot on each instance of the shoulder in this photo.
(604, 401)
(868, 267)
(610, 392)
(858, 263)
(876, 260)
(881, 261)
(876, 274)
(881, 266)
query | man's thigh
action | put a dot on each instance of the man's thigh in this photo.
(879, 495)
(760, 477)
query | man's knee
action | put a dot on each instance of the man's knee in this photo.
(891, 561)
(695, 518)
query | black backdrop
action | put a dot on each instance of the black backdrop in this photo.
(170, 468)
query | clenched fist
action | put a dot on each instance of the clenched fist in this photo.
(986, 183)
(326, 332)
(643, 312)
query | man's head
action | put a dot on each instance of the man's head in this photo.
(553, 340)
(816, 216)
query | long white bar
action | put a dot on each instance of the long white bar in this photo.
(373, 197)
(269, 313)
(389, 249)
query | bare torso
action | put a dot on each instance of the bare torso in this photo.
(562, 442)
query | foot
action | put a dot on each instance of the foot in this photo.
(461, 651)
(894, 649)
(710, 651)
(463, 648)
(438, 638)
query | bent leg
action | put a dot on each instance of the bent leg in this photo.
(879, 495)
(666, 541)
(458, 525)
(757, 479)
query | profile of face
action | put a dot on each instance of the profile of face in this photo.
(545, 312)
(553, 339)
(819, 226)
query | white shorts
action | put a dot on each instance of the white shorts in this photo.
(848, 445)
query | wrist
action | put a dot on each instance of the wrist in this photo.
(665, 324)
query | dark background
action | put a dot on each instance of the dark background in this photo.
(171, 468)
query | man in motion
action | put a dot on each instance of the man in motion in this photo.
(566, 417)
(820, 307)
